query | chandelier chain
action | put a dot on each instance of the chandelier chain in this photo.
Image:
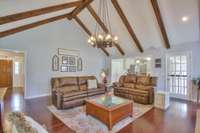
(101, 38)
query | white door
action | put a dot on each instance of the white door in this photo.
(117, 69)
(178, 75)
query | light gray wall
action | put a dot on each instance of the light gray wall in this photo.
(41, 43)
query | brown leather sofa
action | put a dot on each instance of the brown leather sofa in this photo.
(138, 88)
(69, 92)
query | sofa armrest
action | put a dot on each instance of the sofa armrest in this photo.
(117, 84)
(54, 90)
(99, 85)
(57, 97)
(151, 96)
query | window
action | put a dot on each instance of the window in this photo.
(16, 68)
(178, 75)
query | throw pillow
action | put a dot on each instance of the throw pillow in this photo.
(92, 84)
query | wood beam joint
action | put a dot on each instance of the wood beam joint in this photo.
(32, 25)
(78, 9)
(37, 12)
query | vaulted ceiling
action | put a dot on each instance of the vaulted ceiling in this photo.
(139, 24)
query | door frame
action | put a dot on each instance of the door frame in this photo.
(25, 74)
(189, 71)
(25, 68)
(11, 71)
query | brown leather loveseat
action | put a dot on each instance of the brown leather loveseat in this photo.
(138, 88)
(69, 92)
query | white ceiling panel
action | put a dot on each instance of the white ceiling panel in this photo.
(180, 32)
(142, 19)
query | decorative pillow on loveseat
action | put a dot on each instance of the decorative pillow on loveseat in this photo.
(92, 84)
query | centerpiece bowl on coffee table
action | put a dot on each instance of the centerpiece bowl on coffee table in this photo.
(109, 109)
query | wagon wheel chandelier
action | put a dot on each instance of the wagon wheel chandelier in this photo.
(99, 38)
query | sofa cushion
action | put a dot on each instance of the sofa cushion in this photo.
(129, 85)
(74, 97)
(143, 87)
(68, 89)
(83, 87)
(74, 103)
(92, 84)
(138, 92)
(141, 99)
(122, 89)
(83, 80)
(74, 93)
(145, 80)
(68, 81)
(130, 79)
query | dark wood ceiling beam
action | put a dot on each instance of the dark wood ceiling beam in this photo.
(37, 12)
(119, 49)
(103, 26)
(160, 22)
(32, 25)
(127, 24)
(88, 32)
(78, 9)
(105, 51)
(83, 26)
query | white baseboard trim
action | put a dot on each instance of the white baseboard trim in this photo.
(37, 96)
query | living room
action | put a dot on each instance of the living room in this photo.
(100, 66)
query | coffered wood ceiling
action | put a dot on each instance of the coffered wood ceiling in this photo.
(139, 24)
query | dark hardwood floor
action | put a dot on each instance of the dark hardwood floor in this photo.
(179, 118)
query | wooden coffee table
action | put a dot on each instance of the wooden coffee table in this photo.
(109, 109)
